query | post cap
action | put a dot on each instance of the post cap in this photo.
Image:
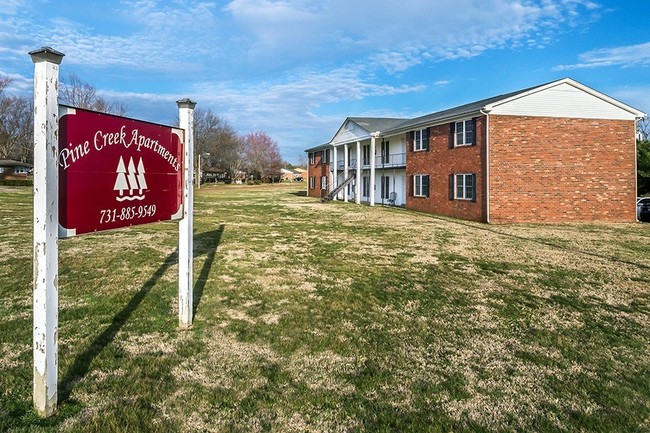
(47, 54)
(186, 103)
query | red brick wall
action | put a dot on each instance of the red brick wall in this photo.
(561, 170)
(439, 162)
(317, 169)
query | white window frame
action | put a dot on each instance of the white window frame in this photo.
(323, 158)
(460, 129)
(312, 182)
(419, 144)
(418, 185)
(312, 158)
(323, 182)
(461, 183)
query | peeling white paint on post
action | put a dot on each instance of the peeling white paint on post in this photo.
(373, 162)
(346, 170)
(357, 187)
(335, 176)
(186, 225)
(46, 226)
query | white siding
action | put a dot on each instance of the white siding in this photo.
(349, 132)
(563, 100)
(397, 184)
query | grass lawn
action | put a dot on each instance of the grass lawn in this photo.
(334, 317)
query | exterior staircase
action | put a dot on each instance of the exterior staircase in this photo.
(329, 196)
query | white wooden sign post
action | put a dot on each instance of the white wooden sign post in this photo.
(46, 227)
(186, 225)
(50, 125)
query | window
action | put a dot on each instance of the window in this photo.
(462, 186)
(311, 158)
(323, 182)
(312, 182)
(366, 155)
(385, 187)
(385, 152)
(421, 185)
(465, 132)
(323, 159)
(420, 139)
(365, 186)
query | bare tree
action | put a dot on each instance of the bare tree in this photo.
(5, 143)
(78, 93)
(16, 125)
(232, 159)
(214, 136)
(302, 162)
(262, 155)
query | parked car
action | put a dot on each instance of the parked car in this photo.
(643, 209)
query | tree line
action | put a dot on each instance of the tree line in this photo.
(256, 154)
(220, 146)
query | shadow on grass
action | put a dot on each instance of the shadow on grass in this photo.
(204, 243)
(299, 193)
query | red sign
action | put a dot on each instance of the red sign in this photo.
(117, 172)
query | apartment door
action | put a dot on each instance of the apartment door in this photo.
(385, 188)
(385, 152)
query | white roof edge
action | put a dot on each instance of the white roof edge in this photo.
(345, 122)
(572, 82)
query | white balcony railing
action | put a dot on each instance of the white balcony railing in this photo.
(381, 161)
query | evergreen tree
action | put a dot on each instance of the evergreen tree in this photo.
(643, 167)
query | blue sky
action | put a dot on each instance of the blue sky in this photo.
(297, 68)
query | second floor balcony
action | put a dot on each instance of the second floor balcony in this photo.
(393, 160)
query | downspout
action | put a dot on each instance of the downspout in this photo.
(487, 163)
(636, 168)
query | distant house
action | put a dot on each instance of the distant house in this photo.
(287, 175)
(296, 174)
(214, 175)
(301, 173)
(10, 169)
(556, 152)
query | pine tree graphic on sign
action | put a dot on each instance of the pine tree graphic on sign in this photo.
(131, 179)
(141, 180)
(120, 182)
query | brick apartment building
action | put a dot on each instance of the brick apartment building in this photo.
(558, 152)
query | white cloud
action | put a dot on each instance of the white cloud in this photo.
(626, 56)
(11, 7)
(397, 35)
(186, 46)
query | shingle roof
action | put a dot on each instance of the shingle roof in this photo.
(319, 147)
(373, 124)
(459, 111)
(387, 126)
(12, 163)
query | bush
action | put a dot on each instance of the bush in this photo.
(16, 182)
